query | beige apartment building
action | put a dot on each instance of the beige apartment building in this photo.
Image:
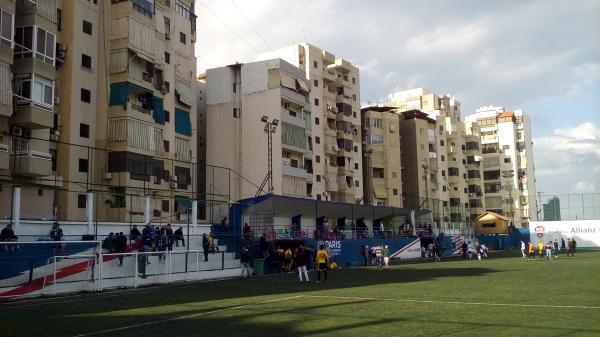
(240, 98)
(508, 169)
(115, 129)
(382, 156)
(335, 121)
(435, 161)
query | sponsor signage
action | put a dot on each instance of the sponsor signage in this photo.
(585, 232)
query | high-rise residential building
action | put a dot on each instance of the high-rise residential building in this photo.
(509, 180)
(382, 160)
(114, 119)
(438, 170)
(241, 99)
(335, 121)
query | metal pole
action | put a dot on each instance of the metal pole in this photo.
(270, 157)
(101, 262)
(135, 272)
(197, 267)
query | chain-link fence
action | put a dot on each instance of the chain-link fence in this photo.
(569, 207)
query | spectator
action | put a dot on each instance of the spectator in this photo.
(246, 232)
(549, 246)
(562, 245)
(288, 260)
(135, 233)
(147, 240)
(523, 248)
(179, 236)
(56, 233)
(205, 246)
(169, 236)
(436, 254)
(301, 258)
(365, 253)
(120, 246)
(8, 235)
(212, 247)
(264, 247)
(379, 256)
(245, 261)
(161, 247)
(574, 245)
(109, 243)
(477, 250)
(556, 248)
(464, 248)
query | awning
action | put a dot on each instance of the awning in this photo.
(184, 93)
(183, 203)
(183, 124)
(301, 86)
(158, 110)
(380, 192)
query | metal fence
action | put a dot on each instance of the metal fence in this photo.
(569, 207)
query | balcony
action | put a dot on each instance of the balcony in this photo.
(329, 76)
(4, 157)
(288, 170)
(293, 97)
(32, 115)
(292, 120)
(32, 163)
(453, 179)
(489, 139)
(344, 99)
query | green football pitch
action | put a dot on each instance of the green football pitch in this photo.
(500, 296)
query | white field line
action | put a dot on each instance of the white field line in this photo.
(186, 316)
(455, 302)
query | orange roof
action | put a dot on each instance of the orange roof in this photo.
(488, 215)
(506, 114)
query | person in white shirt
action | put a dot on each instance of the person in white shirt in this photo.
(523, 249)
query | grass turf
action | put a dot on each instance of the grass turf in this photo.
(493, 297)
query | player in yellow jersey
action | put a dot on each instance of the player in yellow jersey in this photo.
(322, 263)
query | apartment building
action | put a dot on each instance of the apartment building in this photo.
(247, 104)
(27, 107)
(382, 156)
(335, 121)
(436, 162)
(117, 107)
(508, 169)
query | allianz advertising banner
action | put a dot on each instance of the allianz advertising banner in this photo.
(585, 232)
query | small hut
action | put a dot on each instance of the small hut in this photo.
(491, 223)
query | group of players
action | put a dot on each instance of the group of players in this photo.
(550, 248)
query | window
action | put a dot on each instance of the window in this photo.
(6, 29)
(83, 165)
(316, 101)
(166, 145)
(182, 37)
(85, 95)
(236, 113)
(356, 166)
(354, 99)
(378, 172)
(316, 64)
(23, 42)
(167, 58)
(356, 148)
(167, 28)
(84, 130)
(506, 147)
(395, 191)
(356, 183)
(507, 160)
(443, 158)
(316, 83)
(318, 158)
(444, 188)
(86, 61)
(44, 48)
(167, 86)
(443, 173)
(317, 140)
(87, 27)
(353, 80)
(394, 175)
(441, 143)
(318, 177)
(453, 171)
(58, 19)
(43, 90)
(317, 121)
(165, 206)
(81, 201)
(183, 9)
(167, 116)
(375, 139)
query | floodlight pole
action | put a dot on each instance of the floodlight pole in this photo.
(270, 128)
(508, 174)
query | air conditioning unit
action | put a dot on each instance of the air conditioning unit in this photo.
(54, 137)
(107, 175)
(56, 100)
(174, 178)
(16, 131)
(173, 184)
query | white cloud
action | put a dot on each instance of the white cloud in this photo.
(569, 160)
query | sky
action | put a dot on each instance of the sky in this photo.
(539, 56)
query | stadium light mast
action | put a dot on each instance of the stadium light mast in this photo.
(270, 128)
(509, 174)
